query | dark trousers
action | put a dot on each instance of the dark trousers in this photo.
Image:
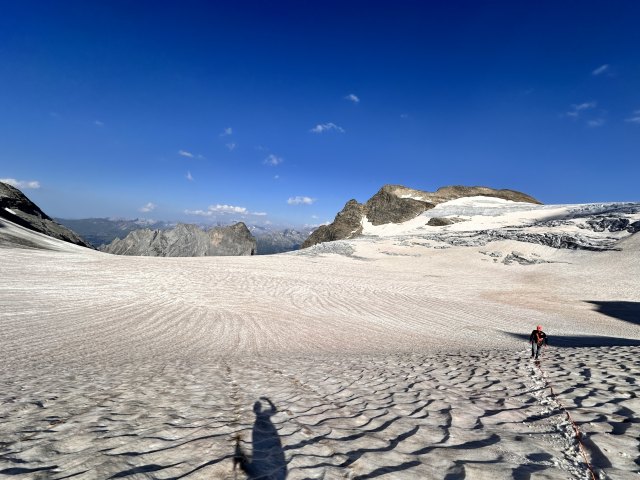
(536, 350)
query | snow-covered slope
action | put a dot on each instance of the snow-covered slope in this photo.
(476, 221)
(402, 353)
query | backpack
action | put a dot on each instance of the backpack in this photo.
(538, 336)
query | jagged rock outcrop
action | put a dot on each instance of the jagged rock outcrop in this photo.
(17, 208)
(347, 224)
(185, 241)
(397, 204)
(390, 206)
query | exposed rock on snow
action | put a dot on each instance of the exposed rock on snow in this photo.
(17, 208)
(185, 241)
(595, 227)
(443, 221)
(398, 204)
(522, 259)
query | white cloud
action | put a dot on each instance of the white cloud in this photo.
(213, 210)
(404, 116)
(98, 123)
(326, 127)
(188, 176)
(231, 146)
(598, 122)
(226, 132)
(21, 183)
(352, 98)
(577, 109)
(301, 201)
(276, 177)
(217, 209)
(273, 160)
(635, 119)
(600, 70)
(184, 153)
(149, 207)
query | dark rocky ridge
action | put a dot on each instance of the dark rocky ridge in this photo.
(347, 224)
(27, 214)
(397, 204)
(185, 241)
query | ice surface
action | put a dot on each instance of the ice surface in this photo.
(393, 354)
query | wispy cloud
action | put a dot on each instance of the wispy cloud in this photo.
(273, 160)
(596, 122)
(301, 201)
(149, 207)
(218, 209)
(21, 183)
(577, 109)
(352, 98)
(600, 70)
(189, 177)
(327, 127)
(184, 153)
(404, 116)
(98, 123)
(634, 119)
(226, 132)
(231, 146)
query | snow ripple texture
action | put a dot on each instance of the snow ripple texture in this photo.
(376, 359)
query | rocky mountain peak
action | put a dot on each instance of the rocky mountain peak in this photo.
(397, 204)
(17, 208)
(185, 240)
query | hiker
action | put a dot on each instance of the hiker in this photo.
(537, 339)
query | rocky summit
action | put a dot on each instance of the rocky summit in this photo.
(17, 208)
(185, 241)
(397, 204)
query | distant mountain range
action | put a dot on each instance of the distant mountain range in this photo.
(103, 231)
(451, 216)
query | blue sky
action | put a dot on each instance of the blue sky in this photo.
(282, 111)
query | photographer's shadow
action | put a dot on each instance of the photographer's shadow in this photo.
(267, 461)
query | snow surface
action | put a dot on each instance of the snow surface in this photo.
(380, 355)
(10, 211)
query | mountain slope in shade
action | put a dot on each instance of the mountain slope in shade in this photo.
(397, 204)
(17, 208)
